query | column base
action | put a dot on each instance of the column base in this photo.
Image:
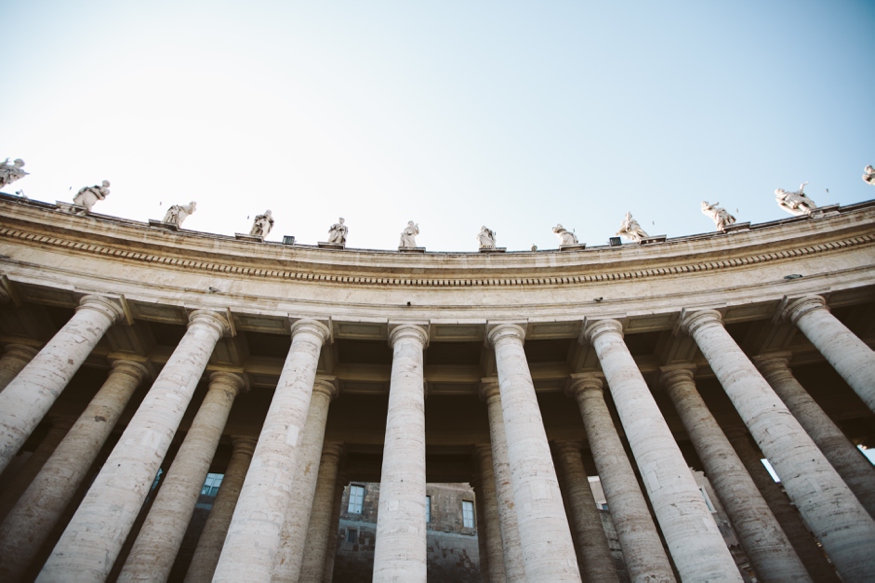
(163, 225)
(326, 245)
(411, 249)
(247, 237)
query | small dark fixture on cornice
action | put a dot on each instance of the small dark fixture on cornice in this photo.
(615, 241)
(793, 276)
(288, 240)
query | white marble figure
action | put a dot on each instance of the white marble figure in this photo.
(796, 203)
(486, 238)
(408, 235)
(89, 195)
(719, 215)
(630, 229)
(179, 212)
(566, 237)
(337, 233)
(869, 175)
(9, 173)
(262, 224)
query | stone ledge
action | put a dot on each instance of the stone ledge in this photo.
(327, 245)
(578, 247)
(247, 237)
(493, 249)
(653, 239)
(411, 249)
(735, 227)
(163, 225)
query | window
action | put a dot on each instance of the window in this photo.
(467, 514)
(427, 509)
(356, 498)
(352, 535)
(211, 484)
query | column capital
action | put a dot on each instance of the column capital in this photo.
(332, 450)
(670, 376)
(795, 309)
(243, 444)
(109, 308)
(566, 447)
(228, 381)
(20, 351)
(595, 328)
(134, 369)
(311, 326)
(210, 319)
(416, 332)
(495, 332)
(689, 322)
(580, 382)
(489, 388)
(481, 449)
(327, 384)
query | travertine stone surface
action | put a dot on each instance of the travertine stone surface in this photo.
(28, 397)
(765, 544)
(691, 534)
(593, 552)
(34, 516)
(854, 468)
(254, 534)
(287, 561)
(545, 537)
(848, 354)
(15, 358)
(643, 552)
(322, 531)
(154, 552)
(514, 568)
(490, 528)
(93, 538)
(209, 545)
(400, 548)
(842, 525)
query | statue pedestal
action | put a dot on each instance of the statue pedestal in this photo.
(163, 225)
(653, 239)
(247, 237)
(326, 245)
(578, 247)
(493, 249)
(73, 209)
(411, 249)
(825, 211)
(737, 227)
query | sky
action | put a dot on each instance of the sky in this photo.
(513, 115)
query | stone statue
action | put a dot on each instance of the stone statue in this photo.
(408, 235)
(486, 238)
(796, 203)
(869, 175)
(261, 226)
(179, 212)
(337, 233)
(9, 173)
(89, 195)
(718, 214)
(630, 229)
(566, 237)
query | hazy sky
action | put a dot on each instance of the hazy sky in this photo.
(453, 114)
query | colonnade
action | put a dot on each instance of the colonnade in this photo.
(278, 505)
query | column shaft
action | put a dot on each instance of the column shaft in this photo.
(96, 533)
(321, 527)
(254, 534)
(28, 397)
(15, 358)
(331, 551)
(400, 549)
(490, 528)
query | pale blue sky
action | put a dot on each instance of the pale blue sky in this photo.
(453, 114)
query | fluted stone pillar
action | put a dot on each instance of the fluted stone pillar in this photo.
(15, 358)
(644, 554)
(490, 528)
(545, 537)
(154, 552)
(514, 567)
(287, 562)
(593, 552)
(839, 521)
(37, 512)
(209, 545)
(854, 468)
(693, 538)
(331, 551)
(96, 533)
(400, 547)
(254, 534)
(27, 398)
(770, 552)
(321, 528)
(845, 352)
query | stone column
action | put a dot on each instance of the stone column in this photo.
(693, 538)
(321, 526)
(37, 512)
(764, 542)
(154, 552)
(842, 525)
(400, 548)
(854, 468)
(287, 561)
(845, 352)
(209, 545)
(27, 398)
(331, 551)
(96, 533)
(15, 358)
(593, 552)
(490, 528)
(548, 552)
(254, 534)
(512, 552)
(644, 554)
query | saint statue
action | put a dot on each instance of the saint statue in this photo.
(408, 235)
(869, 175)
(89, 195)
(796, 203)
(486, 238)
(262, 224)
(718, 214)
(179, 212)
(566, 237)
(630, 229)
(337, 233)
(9, 173)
